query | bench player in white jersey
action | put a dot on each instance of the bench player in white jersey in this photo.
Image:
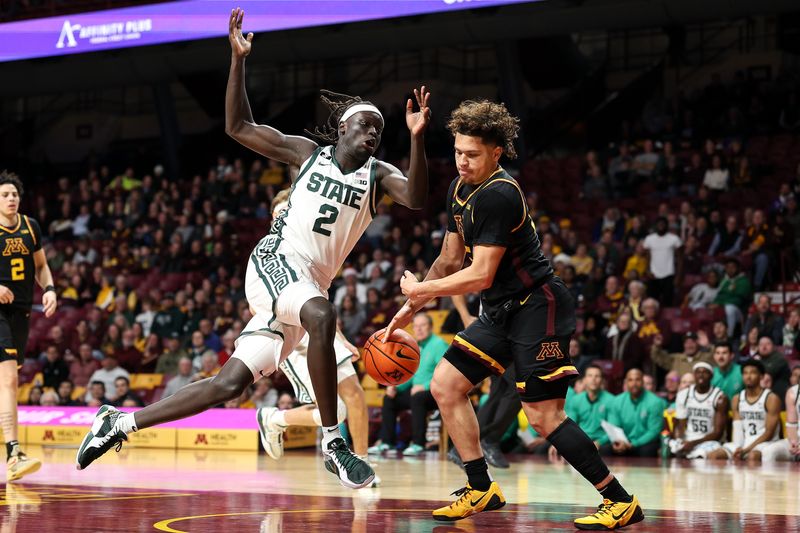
(756, 415)
(290, 270)
(701, 413)
(787, 449)
(352, 403)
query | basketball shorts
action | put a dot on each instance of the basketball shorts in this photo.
(730, 448)
(277, 287)
(534, 337)
(14, 329)
(702, 450)
(295, 366)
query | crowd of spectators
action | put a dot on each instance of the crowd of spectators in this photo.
(696, 254)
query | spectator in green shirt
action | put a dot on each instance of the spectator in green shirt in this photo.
(734, 294)
(727, 373)
(415, 394)
(640, 414)
(592, 406)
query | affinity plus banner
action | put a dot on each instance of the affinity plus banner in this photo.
(198, 19)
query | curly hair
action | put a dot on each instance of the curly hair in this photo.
(488, 120)
(338, 104)
(13, 179)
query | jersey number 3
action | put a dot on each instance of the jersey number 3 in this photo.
(329, 215)
(17, 269)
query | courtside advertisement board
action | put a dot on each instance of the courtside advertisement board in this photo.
(189, 20)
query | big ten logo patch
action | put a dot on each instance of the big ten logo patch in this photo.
(550, 349)
(15, 246)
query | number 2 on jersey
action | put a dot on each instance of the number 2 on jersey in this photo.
(17, 269)
(329, 215)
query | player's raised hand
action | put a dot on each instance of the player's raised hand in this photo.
(49, 303)
(418, 121)
(240, 46)
(408, 283)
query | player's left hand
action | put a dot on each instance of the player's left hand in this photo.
(49, 303)
(353, 350)
(418, 122)
(409, 284)
(738, 454)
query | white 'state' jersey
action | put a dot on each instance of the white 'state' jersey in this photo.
(697, 410)
(754, 417)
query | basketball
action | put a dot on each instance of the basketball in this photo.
(392, 362)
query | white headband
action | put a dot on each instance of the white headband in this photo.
(703, 364)
(353, 109)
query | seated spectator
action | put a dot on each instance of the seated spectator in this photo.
(65, 391)
(768, 323)
(122, 387)
(210, 337)
(734, 294)
(595, 185)
(727, 373)
(775, 365)
(352, 317)
(264, 394)
(719, 333)
(286, 400)
(181, 379)
(591, 339)
(637, 264)
(716, 178)
(749, 347)
(592, 406)
(49, 399)
(352, 287)
(169, 319)
(649, 383)
(35, 395)
(670, 389)
(652, 325)
(755, 245)
(96, 396)
(703, 295)
(633, 304)
(83, 367)
(625, 345)
(727, 240)
(168, 360)
(209, 367)
(791, 330)
(640, 414)
(414, 394)
(691, 260)
(107, 374)
(610, 302)
(701, 416)
(680, 362)
(228, 347)
(55, 370)
(198, 350)
(128, 355)
(582, 261)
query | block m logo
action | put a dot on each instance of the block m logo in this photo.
(201, 439)
(549, 349)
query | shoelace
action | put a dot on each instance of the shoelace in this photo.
(346, 457)
(604, 508)
(462, 493)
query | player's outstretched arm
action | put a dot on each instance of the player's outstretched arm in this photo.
(411, 191)
(239, 123)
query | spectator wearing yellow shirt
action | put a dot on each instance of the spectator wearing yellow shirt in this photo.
(582, 261)
(637, 263)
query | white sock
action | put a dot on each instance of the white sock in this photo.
(278, 419)
(317, 417)
(328, 434)
(126, 423)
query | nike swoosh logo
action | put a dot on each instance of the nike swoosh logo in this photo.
(617, 517)
(523, 302)
(476, 502)
(399, 353)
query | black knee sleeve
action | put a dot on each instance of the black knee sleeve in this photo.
(579, 451)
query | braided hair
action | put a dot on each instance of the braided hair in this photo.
(337, 103)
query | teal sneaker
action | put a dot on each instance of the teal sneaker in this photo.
(378, 449)
(413, 451)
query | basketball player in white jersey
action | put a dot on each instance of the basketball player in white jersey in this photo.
(787, 449)
(701, 413)
(756, 415)
(351, 405)
(332, 201)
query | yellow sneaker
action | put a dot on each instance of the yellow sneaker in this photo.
(612, 515)
(21, 465)
(471, 502)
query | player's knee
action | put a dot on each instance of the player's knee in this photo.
(319, 317)
(224, 389)
(8, 380)
(443, 393)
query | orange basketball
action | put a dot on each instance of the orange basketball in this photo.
(392, 362)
